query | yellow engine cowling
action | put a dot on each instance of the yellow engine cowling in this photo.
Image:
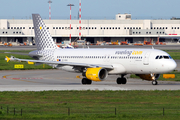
(96, 74)
(149, 77)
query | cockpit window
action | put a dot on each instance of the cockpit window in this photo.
(166, 57)
(157, 57)
(163, 57)
(160, 57)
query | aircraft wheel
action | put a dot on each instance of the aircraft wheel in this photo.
(154, 82)
(89, 81)
(86, 81)
(123, 81)
(118, 81)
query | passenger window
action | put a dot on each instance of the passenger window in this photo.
(157, 57)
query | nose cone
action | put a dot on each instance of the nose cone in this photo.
(171, 65)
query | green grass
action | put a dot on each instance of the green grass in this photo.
(177, 77)
(175, 54)
(91, 105)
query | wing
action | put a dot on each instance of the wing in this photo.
(61, 63)
(20, 53)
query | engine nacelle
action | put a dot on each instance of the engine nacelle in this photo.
(149, 77)
(96, 74)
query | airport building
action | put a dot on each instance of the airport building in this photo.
(122, 28)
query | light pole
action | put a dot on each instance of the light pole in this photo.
(70, 21)
(79, 19)
(49, 8)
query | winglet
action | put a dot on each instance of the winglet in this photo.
(30, 62)
(7, 58)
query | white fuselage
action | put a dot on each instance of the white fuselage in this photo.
(124, 61)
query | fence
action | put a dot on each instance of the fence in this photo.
(90, 111)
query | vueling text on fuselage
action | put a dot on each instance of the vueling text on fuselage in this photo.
(129, 52)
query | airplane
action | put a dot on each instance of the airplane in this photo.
(96, 64)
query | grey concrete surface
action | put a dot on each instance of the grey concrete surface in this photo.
(40, 80)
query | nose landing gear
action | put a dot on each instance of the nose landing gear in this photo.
(154, 82)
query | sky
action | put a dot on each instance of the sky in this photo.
(91, 9)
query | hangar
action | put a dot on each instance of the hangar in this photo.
(122, 28)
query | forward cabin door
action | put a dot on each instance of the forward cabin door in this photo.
(146, 58)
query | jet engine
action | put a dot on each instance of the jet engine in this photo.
(149, 77)
(96, 74)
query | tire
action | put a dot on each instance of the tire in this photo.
(88, 82)
(118, 81)
(124, 81)
(154, 82)
(84, 82)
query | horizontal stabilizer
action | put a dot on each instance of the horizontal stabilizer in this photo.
(9, 59)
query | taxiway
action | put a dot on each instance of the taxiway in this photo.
(43, 80)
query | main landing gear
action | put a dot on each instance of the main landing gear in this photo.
(121, 80)
(154, 82)
(86, 81)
